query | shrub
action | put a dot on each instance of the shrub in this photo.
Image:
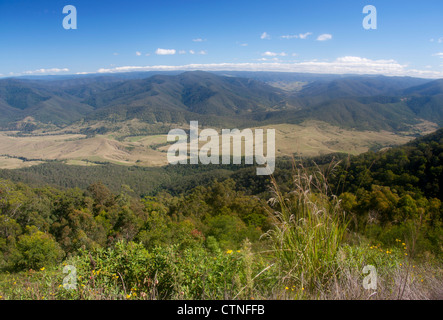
(128, 270)
(36, 250)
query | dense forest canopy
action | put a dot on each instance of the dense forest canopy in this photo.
(390, 188)
(220, 99)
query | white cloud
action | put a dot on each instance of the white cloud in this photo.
(265, 35)
(304, 35)
(138, 53)
(182, 52)
(198, 40)
(438, 54)
(269, 59)
(203, 52)
(342, 65)
(47, 71)
(191, 51)
(40, 71)
(273, 54)
(243, 44)
(289, 36)
(324, 37)
(163, 52)
(296, 36)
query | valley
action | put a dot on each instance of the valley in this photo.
(124, 119)
(310, 138)
(260, 153)
(84, 173)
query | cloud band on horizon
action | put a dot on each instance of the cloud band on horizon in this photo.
(341, 65)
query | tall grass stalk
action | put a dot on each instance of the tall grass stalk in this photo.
(308, 230)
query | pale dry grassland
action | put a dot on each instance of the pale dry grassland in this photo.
(311, 138)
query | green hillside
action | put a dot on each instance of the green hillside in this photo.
(394, 103)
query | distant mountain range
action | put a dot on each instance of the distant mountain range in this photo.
(222, 98)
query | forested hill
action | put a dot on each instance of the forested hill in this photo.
(394, 103)
(416, 167)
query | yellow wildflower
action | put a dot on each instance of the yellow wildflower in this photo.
(41, 269)
(229, 251)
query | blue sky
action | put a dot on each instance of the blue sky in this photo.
(299, 36)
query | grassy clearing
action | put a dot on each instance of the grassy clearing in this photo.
(14, 163)
(311, 138)
(76, 162)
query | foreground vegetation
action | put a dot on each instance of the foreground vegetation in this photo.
(305, 234)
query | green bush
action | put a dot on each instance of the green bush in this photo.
(36, 249)
(128, 270)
